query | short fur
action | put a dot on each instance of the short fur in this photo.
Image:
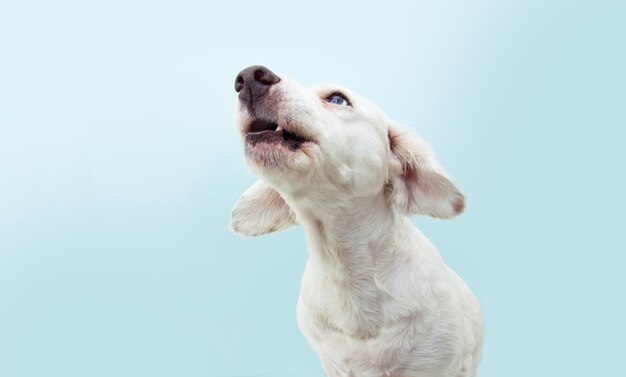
(376, 298)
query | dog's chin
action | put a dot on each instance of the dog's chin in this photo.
(271, 151)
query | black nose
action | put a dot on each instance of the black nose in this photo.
(253, 82)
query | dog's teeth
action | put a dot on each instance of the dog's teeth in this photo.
(278, 128)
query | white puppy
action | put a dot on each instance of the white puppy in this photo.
(376, 298)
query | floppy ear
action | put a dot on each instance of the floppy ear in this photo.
(261, 210)
(419, 185)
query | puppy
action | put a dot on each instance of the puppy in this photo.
(376, 298)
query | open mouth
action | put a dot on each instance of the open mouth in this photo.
(265, 131)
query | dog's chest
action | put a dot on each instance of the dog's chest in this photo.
(366, 332)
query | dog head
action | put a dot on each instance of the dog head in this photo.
(325, 146)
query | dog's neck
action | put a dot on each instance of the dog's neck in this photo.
(351, 235)
(349, 244)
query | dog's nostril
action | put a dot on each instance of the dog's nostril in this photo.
(265, 76)
(238, 83)
(253, 82)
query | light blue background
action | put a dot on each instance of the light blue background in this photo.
(119, 165)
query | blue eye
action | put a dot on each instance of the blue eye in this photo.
(338, 99)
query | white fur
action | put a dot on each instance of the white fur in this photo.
(376, 298)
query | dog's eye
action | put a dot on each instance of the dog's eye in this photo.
(338, 99)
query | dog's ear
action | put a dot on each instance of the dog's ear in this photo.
(261, 210)
(418, 184)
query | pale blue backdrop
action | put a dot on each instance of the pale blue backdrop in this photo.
(119, 165)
